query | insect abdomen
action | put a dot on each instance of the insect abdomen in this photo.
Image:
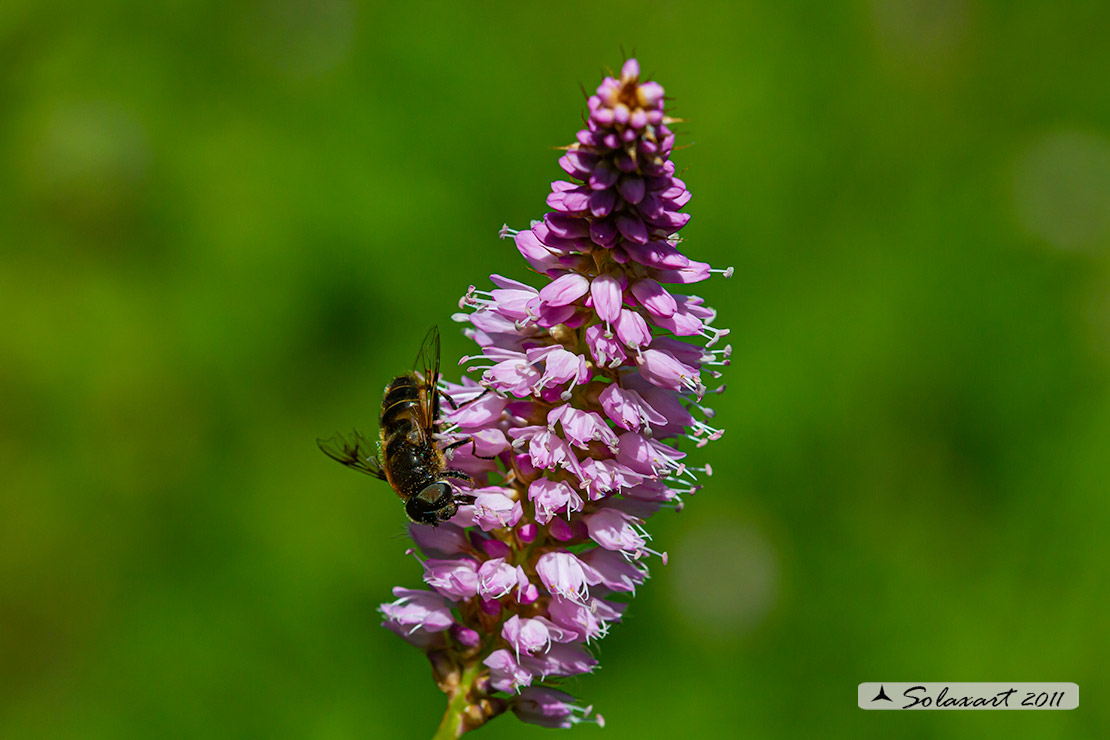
(404, 457)
(400, 407)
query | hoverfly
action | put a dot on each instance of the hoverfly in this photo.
(410, 461)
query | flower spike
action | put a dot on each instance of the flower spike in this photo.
(588, 382)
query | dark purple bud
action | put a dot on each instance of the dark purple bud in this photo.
(632, 228)
(570, 201)
(673, 187)
(651, 206)
(496, 548)
(602, 202)
(673, 204)
(465, 636)
(527, 532)
(670, 222)
(624, 162)
(578, 164)
(667, 144)
(560, 530)
(565, 227)
(603, 176)
(632, 189)
(650, 95)
(603, 233)
(657, 254)
(602, 116)
(556, 244)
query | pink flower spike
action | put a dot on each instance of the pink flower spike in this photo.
(573, 435)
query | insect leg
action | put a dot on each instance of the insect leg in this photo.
(480, 395)
(458, 475)
(455, 445)
(473, 449)
(450, 401)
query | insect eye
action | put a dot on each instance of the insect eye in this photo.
(428, 506)
(436, 494)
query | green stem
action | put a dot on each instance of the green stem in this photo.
(452, 728)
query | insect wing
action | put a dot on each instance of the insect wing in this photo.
(427, 364)
(354, 454)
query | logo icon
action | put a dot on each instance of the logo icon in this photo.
(882, 694)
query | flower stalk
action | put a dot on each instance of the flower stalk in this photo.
(459, 700)
(587, 384)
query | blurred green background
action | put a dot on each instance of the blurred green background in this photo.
(226, 225)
